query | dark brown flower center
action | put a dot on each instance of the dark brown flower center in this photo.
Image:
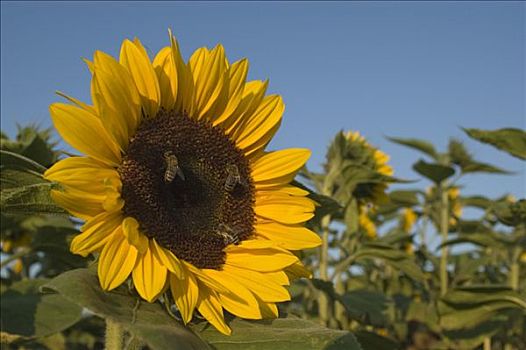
(189, 187)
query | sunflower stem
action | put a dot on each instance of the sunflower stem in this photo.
(323, 300)
(114, 335)
(514, 278)
(444, 229)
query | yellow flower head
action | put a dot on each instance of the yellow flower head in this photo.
(176, 188)
(408, 219)
(367, 224)
(366, 155)
(454, 204)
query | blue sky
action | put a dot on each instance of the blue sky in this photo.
(407, 69)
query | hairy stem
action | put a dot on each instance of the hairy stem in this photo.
(323, 300)
(444, 228)
(114, 335)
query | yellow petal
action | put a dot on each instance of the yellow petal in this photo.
(135, 59)
(166, 71)
(79, 103)
(297, 270)
(82, 174)
(290, 189)
(185, 82)
(116, 98)
(116, 262)
(285, 209)
(268, 310)
(239, 300)
(258, 124)
(292, 237)
(96, 233)
(237, 77)
(79, 206)
(130, 229)
(278, 167)
(253, 94)
(149, 276)
(204, 278)
(84, 132)
(168, 259)
(262, 260)
(186, 294)
(280, 277)
(90, 65)
(259, 284)
(210, 75)
(210, 308)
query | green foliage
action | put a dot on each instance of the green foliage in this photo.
(28, 313)
(435, 172)
(377, 282)
(510, 140)
(420, 145)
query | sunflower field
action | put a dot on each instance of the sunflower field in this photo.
(168, 225)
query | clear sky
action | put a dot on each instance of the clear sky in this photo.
(407, 69)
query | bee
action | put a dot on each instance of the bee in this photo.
(233, 178)
(172, 167)
(229, 235)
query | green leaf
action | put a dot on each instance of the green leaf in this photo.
(420, 145)
(407, 198)
(433, 171)
(511, 213)
(362, 305)
(31, 199)
(40, 151)
(373, 341)
(14, 178)
(151, 323)
(479, 167)
(466, 307)
(510, 140)
(29, 313)
(481, 239)
(279, 334)
(394, 257)
(11, 160)
(473, 337)
(476, 201)
(366, 306)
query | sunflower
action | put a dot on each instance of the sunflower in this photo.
(367, 156)
(176, 189)
(408, 219)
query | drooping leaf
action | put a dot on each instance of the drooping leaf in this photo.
(466, 307)
(29, 313)
(480, 167)
(420, 145)
(288, 333)
(476, 201)
(433, 171)
(473, 337)
(481, 239)
(11, 160)
(510, 140)
(151, 323)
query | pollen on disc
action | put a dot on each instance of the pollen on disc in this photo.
(176, 183)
